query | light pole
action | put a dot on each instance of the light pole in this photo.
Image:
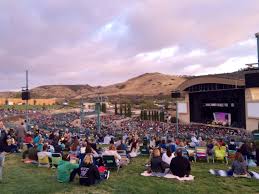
(176, 95)
(98, 111)
(177, 116)
(81, 115)
(257, 36)
(26, 97)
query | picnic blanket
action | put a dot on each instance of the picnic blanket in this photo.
(225, 173)
(168, 176)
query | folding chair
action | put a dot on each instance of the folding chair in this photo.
(220, 153)
(144, 150)
(124, 158)
(200, 153)
(191, 153)
(56, 158)
(43, 160)
(110, 163)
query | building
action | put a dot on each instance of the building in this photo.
(19, 101)
(225, 99)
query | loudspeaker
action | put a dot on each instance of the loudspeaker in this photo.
(252, 80)
(25, 95)
(176, 94)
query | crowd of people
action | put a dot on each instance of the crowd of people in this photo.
(80, 154)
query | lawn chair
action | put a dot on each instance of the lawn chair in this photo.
(220, 153)
(122, 152)
(56, 158)
(110, 162)
(124, 158)
(43, 160)
(200, 153)
(144, 150)
(191, 153)
(2, 159)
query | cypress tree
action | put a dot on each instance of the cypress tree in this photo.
(129, 110)
(116, 108)
(121, 113)
(125, 110)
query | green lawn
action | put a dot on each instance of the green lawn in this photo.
(23, 178)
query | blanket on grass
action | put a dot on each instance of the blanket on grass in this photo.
(168, 176)
(225, 173)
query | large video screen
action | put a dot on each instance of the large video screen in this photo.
(222, 118)
(253, 109)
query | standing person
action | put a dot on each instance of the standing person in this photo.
(20, 133)
(3, 137)
(180, 166)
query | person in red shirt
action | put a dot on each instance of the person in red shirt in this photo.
(28, 140)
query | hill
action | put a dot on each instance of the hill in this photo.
(149, 84)
(146, 85)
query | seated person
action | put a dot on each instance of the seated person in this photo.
(28, 140)
(157, 162)
(239, 165)
(168, 156)
(180, 166)
(66, 170)
(89, 174)
(122, 146)
(112, 152)
(11, 145)
(163, 145)
(30, 154)
(45, 152)
(172, 146)
(232, 145)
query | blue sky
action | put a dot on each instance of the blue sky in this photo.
(103, 42)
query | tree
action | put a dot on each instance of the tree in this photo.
(34, 102)
(145, 115)
(129, 113)
(116, 108)
(149, 115)
(125, 109)
(141, 115)
(121, 113)
(104, 109)
(153, 115)
(157, 116)
(162, 116)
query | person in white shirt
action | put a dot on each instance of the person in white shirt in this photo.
(112, 152)
(168, 156)
(107, 139)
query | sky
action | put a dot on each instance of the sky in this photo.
(101, 42)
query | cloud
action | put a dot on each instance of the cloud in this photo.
(103, 42)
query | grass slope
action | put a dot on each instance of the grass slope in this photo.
(21, 178)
